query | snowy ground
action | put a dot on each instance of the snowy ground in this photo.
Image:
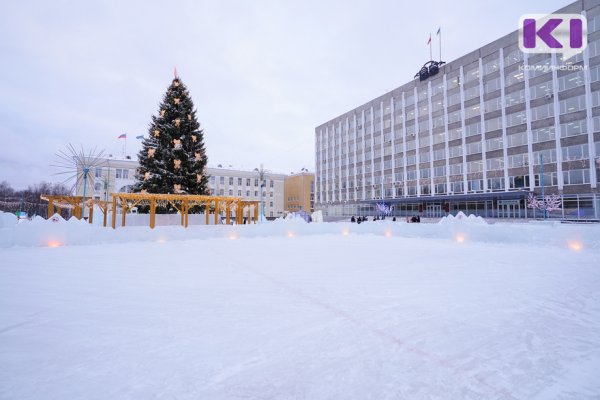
(345, 314)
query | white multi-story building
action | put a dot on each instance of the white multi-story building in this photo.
(118, 175)
(479, 136)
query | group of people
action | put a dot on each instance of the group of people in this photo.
(364, 219)
(414, 218)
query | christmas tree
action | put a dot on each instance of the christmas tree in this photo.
(173, 158)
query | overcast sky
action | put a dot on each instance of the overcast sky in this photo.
(262, 74)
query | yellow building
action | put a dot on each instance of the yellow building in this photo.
(299, 192)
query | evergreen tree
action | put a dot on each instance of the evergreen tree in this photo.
(173, 158)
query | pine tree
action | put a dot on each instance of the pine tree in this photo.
(173, 157)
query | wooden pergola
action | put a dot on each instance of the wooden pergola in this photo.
(183, 203)
(68, 202)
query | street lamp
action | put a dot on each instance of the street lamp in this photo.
(261, 177)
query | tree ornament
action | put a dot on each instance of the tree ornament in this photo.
(143, 191)
(156, 133)
(177, 144)
(162, 113)
(194, 138)
(177, 188)
(176, 82)
(151, 152)
(189, 117)
(177, 121)
(197, 155)
(177, 163)
(176, 100)
(147, 176)
(198, 178)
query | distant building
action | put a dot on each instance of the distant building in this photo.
(299, 192)
(117, 175)
(476, 135)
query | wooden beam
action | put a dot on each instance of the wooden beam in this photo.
(152, 212)
(216, 212)
(255, 214)
(50, 207)
(123, 213)
(207, 210)
(114, 211)
(187, 212)
(228, 211)
(91, 217)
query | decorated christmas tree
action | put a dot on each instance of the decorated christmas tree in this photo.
(173, 158)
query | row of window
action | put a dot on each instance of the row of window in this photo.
(231, 180)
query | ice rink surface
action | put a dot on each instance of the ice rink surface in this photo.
(341, 315)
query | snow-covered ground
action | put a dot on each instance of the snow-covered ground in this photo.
(288, 310)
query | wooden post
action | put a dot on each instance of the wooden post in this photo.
(228, 211)
(217, 212)
(50, 207)
(123, 213)
(91, 218)
(105, 211)
(114, 212)
(207, 210)
(152, 212)
(77, 212)
(187, 212)
(255, 213)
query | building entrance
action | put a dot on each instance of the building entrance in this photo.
(509, 209)
(433, 211)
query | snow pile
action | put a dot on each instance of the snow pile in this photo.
(58, 232)
(462, 219)
(7, 220)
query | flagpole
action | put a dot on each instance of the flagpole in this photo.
(430, 55)
(440, 44)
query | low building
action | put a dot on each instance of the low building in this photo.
(299, 192)
(117, 175)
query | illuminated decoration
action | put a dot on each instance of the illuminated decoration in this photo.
(177, 188)
(575, 245)
(177, 164)
(197, 156)
(177, 143)
(291, 234)
(151, 152)
(387, 233)
(54, 243)
(189, 117)
(460, 238)
(176, 83)
(198, 178)
(162, 113)
(156, 133)
(147, 176)
(383, 209)
(345, 232)
(232, 236)
(194, 138)
(143, 191)
(177, 122)
(429, 69)
(176, 100)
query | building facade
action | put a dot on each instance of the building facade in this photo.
(299, 192)
(479, 136)
(114, 175)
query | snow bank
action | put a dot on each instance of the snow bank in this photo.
(58, 232)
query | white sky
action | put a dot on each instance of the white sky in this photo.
(262, 74)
